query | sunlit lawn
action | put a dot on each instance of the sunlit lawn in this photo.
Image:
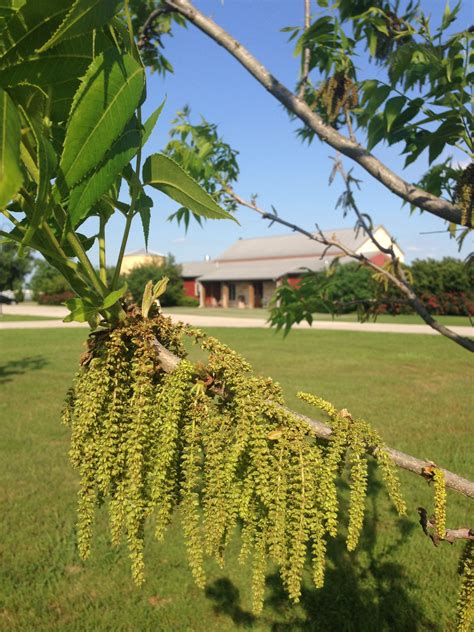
(402, 319)
(417, 391)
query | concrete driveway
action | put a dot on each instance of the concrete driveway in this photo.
(214, 321)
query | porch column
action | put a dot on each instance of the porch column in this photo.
(278, 283)
(251, 295)
(202, 295)
(225, 295)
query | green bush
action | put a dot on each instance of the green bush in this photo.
(189, 301)
(139, 277)
(431, 276)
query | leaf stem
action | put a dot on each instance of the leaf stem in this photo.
(102, 258)
(80, 253)
(130, 213)
(10, 217)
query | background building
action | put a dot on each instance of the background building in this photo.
(140, 258)
(247, 274)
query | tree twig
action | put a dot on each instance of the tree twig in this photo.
(392, 181)
(147, 30)
(306, 52)
(429, 527)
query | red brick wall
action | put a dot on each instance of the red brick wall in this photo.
(379, 259)
(190, 287)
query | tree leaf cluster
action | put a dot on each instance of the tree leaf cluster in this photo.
(445, 286)
(69, 139)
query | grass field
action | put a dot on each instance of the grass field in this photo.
(417, 391)
(8, 318)
(403, 319)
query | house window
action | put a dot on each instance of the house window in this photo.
(231, 291)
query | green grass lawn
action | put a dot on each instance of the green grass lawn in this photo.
(403, 319)
(7, 318)
(416, 390)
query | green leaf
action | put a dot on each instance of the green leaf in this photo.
(167, 176)
(88, 191)
(103, 105)
(376, 131)
(47, 71)
(392, 110)
(84, 16)
(46, 163)
(113, 297)
(10, 133)
(29, 28)
(147, 299)
(151, 122)
(160, 287)
(145, 216)
(82, 310)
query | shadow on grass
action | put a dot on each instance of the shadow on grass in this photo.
(364, 591)
(9, 370)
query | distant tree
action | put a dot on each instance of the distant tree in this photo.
(13, 266)
(46, 280)
(138, 278)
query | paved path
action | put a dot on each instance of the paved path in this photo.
(215, 321)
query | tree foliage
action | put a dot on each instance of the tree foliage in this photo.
(79, 136)
(14, 266)
(46, 280)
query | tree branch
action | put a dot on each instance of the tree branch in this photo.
(169, 361)
(147, 30)
(450, 535)
(405, 190)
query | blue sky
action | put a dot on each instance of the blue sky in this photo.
(273, 162)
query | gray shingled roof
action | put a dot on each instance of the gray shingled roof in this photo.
(269, 270)
(194, 269)
(289, 245)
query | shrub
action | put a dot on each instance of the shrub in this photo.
(189, 301)
(55, 299)
(139, 277)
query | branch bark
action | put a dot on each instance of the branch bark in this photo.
(353, 150)
(169, 361)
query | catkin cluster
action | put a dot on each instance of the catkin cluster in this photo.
(465, 605)
(464, 194)
(336, 94)
(215, 440)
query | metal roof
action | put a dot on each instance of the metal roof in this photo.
(293, 245)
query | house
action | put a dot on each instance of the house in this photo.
(247, 274)
(139, 258)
